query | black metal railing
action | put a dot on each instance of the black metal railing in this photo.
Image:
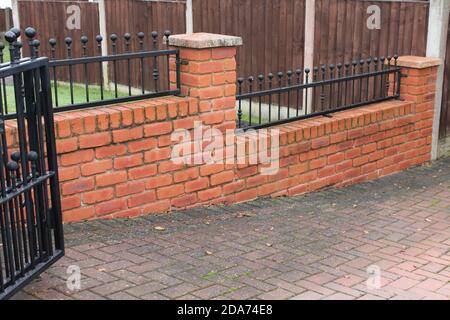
(96, 80)
(282, 98)
(31, 233)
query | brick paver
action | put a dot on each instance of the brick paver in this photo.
(318, 246)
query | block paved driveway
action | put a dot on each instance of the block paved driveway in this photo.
(309, 247)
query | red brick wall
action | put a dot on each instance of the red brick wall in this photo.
(115, 161)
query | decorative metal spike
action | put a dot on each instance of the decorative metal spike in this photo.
(15, 156)
(33, 158)
(114, 38)
(68, 42)
(52, 43)
(36, 44)
(167, 35)
(127, 37)
(155, 41)
(84, 40)
(30, 34)
(99, 40)
(12, 167)
(11, 38)
(141, 37)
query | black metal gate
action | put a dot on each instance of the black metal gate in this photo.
(30, 206)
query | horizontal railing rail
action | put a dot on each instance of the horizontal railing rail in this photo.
(283, 98)
(94, 79)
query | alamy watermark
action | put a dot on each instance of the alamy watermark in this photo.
(73, 281)
(208, 145)
(73, 21)
(373, 282)
(374, 20)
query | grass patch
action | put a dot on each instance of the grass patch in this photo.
(6, 55)
(64, 96)
(210, 275)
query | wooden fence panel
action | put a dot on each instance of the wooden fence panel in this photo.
(50, 20)
(341, 33)
(272, 31)
(444, 130)
(135, 16)
(5, 14)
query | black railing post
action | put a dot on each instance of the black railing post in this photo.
(84, 41)
(155, 60)
(141, 37)
(240, 113)
(68, 42)
(99, 40)
(127, 37)
(114, 38)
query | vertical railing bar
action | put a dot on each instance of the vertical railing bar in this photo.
(68, 42)
(6, 225)
(84, 41)
(17, 244)
(99, 40)
(141, 37)
(167, 35)
(23, 152)
(289, 79)
(19, 200)
(30, 96)
(127, 38)
(55, 80)
(261, 82)
(280, 77)
(330, 100)
(5, 96)
(38, 163)
(155, 60)
(250, 84)
(240, 82)
(298, 72)
(114, 38)
(52, 160)
(270, 76)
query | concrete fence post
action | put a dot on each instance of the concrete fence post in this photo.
(189, 17)
(436, 47)
(104, 34)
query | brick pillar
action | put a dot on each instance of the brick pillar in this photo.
(208, 73)
(418, 82)
(418, 85)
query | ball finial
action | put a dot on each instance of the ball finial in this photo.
(10, 37)
(30, 32)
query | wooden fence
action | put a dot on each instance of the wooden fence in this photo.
(5, 19)
(273, 30)
(135, 16)
(341, 32)
(49, 19)
(445, 110)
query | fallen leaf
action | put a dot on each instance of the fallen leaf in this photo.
(269, 244)
(209, 253)
(245, 214)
